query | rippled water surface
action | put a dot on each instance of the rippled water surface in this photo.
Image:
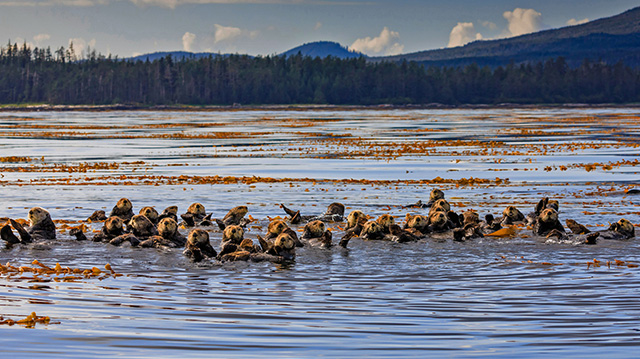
(515, 297)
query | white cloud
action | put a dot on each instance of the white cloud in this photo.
(318, 25)
(38, 39)
(230, 33)
(573, 22)
(187, 41)
(462, 34)
(490, 25)
(384, 44)
(523, 21)
(80, 45)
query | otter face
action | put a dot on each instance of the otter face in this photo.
(372, 228)
(385, 220)
(626, 227)
(285, 241)
(114, 225)
(171, 209)
(354, 218)
(124, 205)
(440, 206)
(549, 215)
(197, 209)
(234, 234)
(150, 213)
(198, 237)
(314, 229)
(438, 219)
(336, 208)
(553, 204)
(470, 216)
(416, 221)
(140, 223)
(38, 215)
(510, 212)
(276, 227)
(435, 195)
(167, 227)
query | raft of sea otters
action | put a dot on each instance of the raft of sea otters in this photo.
(161, 230)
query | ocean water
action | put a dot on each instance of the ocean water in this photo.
(489, 297)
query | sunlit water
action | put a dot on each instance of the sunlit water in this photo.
(486, 297)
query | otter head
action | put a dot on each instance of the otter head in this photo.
(553, 204)
(440, 205)
(285, 242)
(38, 215)
(233, 234)
(385, 220)
(355, 217)
(167, 227)
(150, 213)
(511, 212)
(335, 208)
(239, 211)
(416, 221)
(470, 217)
(114, 225)
(438, 219)
(197, 209)
(198, 238)
(314, 229)
(276, 227)
(623, 226)
(140, 224)
(436, 194)
(371, 229)
(549, 215)
(124, 205)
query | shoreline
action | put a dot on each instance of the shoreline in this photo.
(308, 107)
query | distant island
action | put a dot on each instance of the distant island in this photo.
(593, 63)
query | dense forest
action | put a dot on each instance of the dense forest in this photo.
(61, 77)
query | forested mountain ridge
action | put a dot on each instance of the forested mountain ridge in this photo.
(611, 39)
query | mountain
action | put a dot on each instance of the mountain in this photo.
(611, 39)
(323, 49)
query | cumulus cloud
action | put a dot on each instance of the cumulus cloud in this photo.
(187, 41)
(40, 38)
(462, 34)
(490, 25)
(80, 45)
(577, 22)
(523, 21)
(230, 33)
(384, 44)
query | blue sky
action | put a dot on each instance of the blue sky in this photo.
(264, 27)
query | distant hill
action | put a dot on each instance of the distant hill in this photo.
(323, 49)
(609, 39)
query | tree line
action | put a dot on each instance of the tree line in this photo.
(61, 77)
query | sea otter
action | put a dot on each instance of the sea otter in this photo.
(546, 222)
(123, 209)
(169, 212)
(511, 215)
(334, 213)
(317, 235)
(198, 246)
(141, 227)
(168, 235)
(97, 216)
(235, 217)
(195, 214)
(623, 229)
(372, 230)
(541, 206)
(397, 234)
(355, 220)
(435, 195)
(151, 214)
(42, 228)
(112, 227)
(440, 222)
(417, 224)
(386, 220)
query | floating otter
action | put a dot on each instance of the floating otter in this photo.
(151, 214)
(440, 222)
(355, 220)
(546, 222)
(169, 212)
(168, 235)
(386, 220)
(436, 194)
(198, 246)
(623, 229)
(541, 206)
(123, 209)
(417, 224)
(317, 235)
(42, 228)
(141, 227)
(97, 216)
(195, 214)
(511, 215)
(235, 217)
(334, 213)
(234, 246)
(282, 249)
(372, 230)
(112, 228)
(397, 234)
